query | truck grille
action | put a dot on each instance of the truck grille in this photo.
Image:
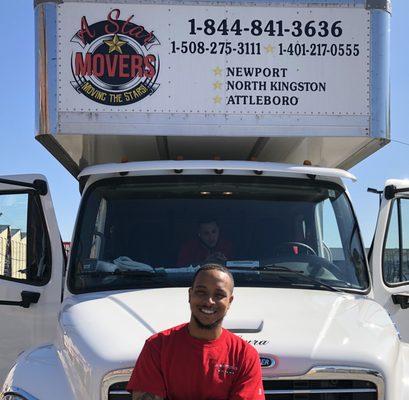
(320, 390)
(294, 390)
(117, 392)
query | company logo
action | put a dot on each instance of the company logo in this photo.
(257, 342)
(115, 62)
(226, 369)
(267, 362)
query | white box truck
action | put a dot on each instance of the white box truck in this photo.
(237, 113)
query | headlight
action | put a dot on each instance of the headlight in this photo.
(13, 393)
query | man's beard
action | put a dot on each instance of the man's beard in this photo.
(208, 327)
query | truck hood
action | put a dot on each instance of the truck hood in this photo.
(299, 329)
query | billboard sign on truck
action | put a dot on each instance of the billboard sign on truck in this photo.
(150, 80)
(197, 59)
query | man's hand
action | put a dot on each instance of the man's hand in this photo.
(217, 256)
(145, 396)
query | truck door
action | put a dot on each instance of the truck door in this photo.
(31, 267)
(390, 254)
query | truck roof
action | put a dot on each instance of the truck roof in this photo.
(204, 166)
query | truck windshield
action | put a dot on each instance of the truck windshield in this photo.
(146, 233)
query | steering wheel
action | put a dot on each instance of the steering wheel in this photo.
(290, 246)
(315, 263)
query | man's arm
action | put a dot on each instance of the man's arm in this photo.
(145, 396)
(249, 384)
(146, 382)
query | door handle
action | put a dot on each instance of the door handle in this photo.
(27, 298)
(402, 299)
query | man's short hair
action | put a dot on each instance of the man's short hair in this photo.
(213, 266)
(207, 219)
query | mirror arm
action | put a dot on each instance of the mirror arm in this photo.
(27, 298)
(39, 185)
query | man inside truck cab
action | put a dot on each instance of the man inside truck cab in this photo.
(207, 246)
(200, 360)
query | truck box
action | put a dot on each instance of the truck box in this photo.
(283, 81)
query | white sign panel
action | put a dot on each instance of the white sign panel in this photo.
(213, 59)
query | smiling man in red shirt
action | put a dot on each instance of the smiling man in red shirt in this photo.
(199, 360)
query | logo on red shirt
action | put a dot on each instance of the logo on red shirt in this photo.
(226, 369)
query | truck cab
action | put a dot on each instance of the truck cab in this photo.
(304, 296)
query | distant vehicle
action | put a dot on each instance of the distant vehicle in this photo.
(67, 247)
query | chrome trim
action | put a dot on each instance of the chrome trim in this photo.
(46, 68)
(316, 373)
(119, 375)
(293, 3)
(340, 372)
(379, 5)
(318, 391)
(17, 391)
(120, 392)
(38, 2)
(380, 74)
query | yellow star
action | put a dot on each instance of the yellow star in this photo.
(268, 49)
(217, 71)
(217, 85)
(115, 44)
(217, 99)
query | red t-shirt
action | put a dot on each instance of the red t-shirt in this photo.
(195, 252)
(176, 366)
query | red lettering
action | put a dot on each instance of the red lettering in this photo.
(83, 68)
(115, 65)
(113, 22)
(98, 65)
(148, 38)
(111, 64)
(123, 66)
(150, 70)
(85, 30)
(123, 30)
(137, 65)
(136, 32)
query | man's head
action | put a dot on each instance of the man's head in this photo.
(210, 296)
(208, 232)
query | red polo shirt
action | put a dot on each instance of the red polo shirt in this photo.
(195, 252)
(176, 366)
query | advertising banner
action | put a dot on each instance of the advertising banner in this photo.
(196, 59)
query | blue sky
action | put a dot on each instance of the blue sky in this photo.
(21, 153)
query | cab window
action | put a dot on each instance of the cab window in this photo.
(23, 239)
(396, 248)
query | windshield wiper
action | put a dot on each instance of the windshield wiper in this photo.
(277, 268)
(118, 273)
(285, 270)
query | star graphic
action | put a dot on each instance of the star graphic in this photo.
(217, 71)
(217, 99)
(268, 49)
(115, 44)
(217, 85)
